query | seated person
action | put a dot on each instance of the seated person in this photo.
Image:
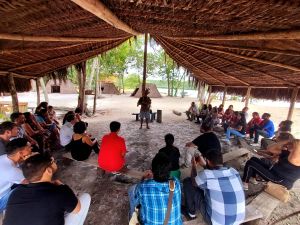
(285, 171)
(208, 140)
(265, 129)
(209, 108)
(228, 117)
(203, 113)
(19, 119)
(52, 114)
(152, 194)
(81, 144)
(255, 121)
(17, 150)
(65, 116)
(215, 116)
(238, 130)
(66, 131)
(42, 105)
(78, 113)
(173, 154)
(112, 150)
(283, 133)
(43, 119)
(33, 131)
(216, 191)
(192, 112)
(245, 112)
(7, 131)
(45, 201)
(220, 111)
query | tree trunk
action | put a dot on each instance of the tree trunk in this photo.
(123, 86)
(44, 89)
(13, 92)
(38, 97)
(92, 74)
(182, 96)
(96, 93)
(81, 74)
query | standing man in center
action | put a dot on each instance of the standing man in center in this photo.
(145, 103)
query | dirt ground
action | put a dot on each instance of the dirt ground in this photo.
(109, 198)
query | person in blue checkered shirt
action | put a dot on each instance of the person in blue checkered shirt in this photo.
(217, 191)
(152, 194)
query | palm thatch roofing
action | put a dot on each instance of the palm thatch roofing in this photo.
(237, 44)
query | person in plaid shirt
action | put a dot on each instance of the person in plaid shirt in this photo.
(217, 191)
(152, 194)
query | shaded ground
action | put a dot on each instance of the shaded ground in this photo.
(109, 198)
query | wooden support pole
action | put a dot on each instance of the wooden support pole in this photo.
(247, 97)
(145, 65)
(43, 86)
(82, 87)
(224, 96)
(209, 95)
(292, 103)
(21, 37)
(38, 97)
(96, 90)
(13, 92)
(97, 8)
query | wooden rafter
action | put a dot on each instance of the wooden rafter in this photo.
(5, 73)
(285, 35)
(53, 59)
(97, 8)
(197, 69)
(175, 55)
(21, 37)
(266, 50)
(249, 68)
(5, 51)
(220, 71)
(267, 62)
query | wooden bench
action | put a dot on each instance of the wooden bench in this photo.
(251, 215)
(137, 116)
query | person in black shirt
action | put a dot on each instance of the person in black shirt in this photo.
(173, 154)
(43, 201)
(238, 129)
(205, 142)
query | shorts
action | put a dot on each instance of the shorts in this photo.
(145, 115)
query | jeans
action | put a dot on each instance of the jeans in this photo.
(230, 131)
(194, 199)
(256, 130)
(4, 200)
(133, 201)
(79, 218)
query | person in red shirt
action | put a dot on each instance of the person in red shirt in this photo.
(255, 121)
(112, 150)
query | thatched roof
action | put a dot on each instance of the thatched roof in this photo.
(236, 43)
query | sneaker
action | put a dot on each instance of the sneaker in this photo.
(187, 215)
(226, 141)
(253, 181)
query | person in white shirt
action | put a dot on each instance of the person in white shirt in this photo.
(17, 151)
(192, 112)
(66, 131)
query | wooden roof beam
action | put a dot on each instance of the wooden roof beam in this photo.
(193, 65)
(21, 37)
(267, 62)
(6, 73)
(97, 8)
(220, 71)
(265, 50)
(53, 59)
(285, 35)
(248, 68)
(254, 87)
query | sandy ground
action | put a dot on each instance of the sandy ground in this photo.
(109, 198)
